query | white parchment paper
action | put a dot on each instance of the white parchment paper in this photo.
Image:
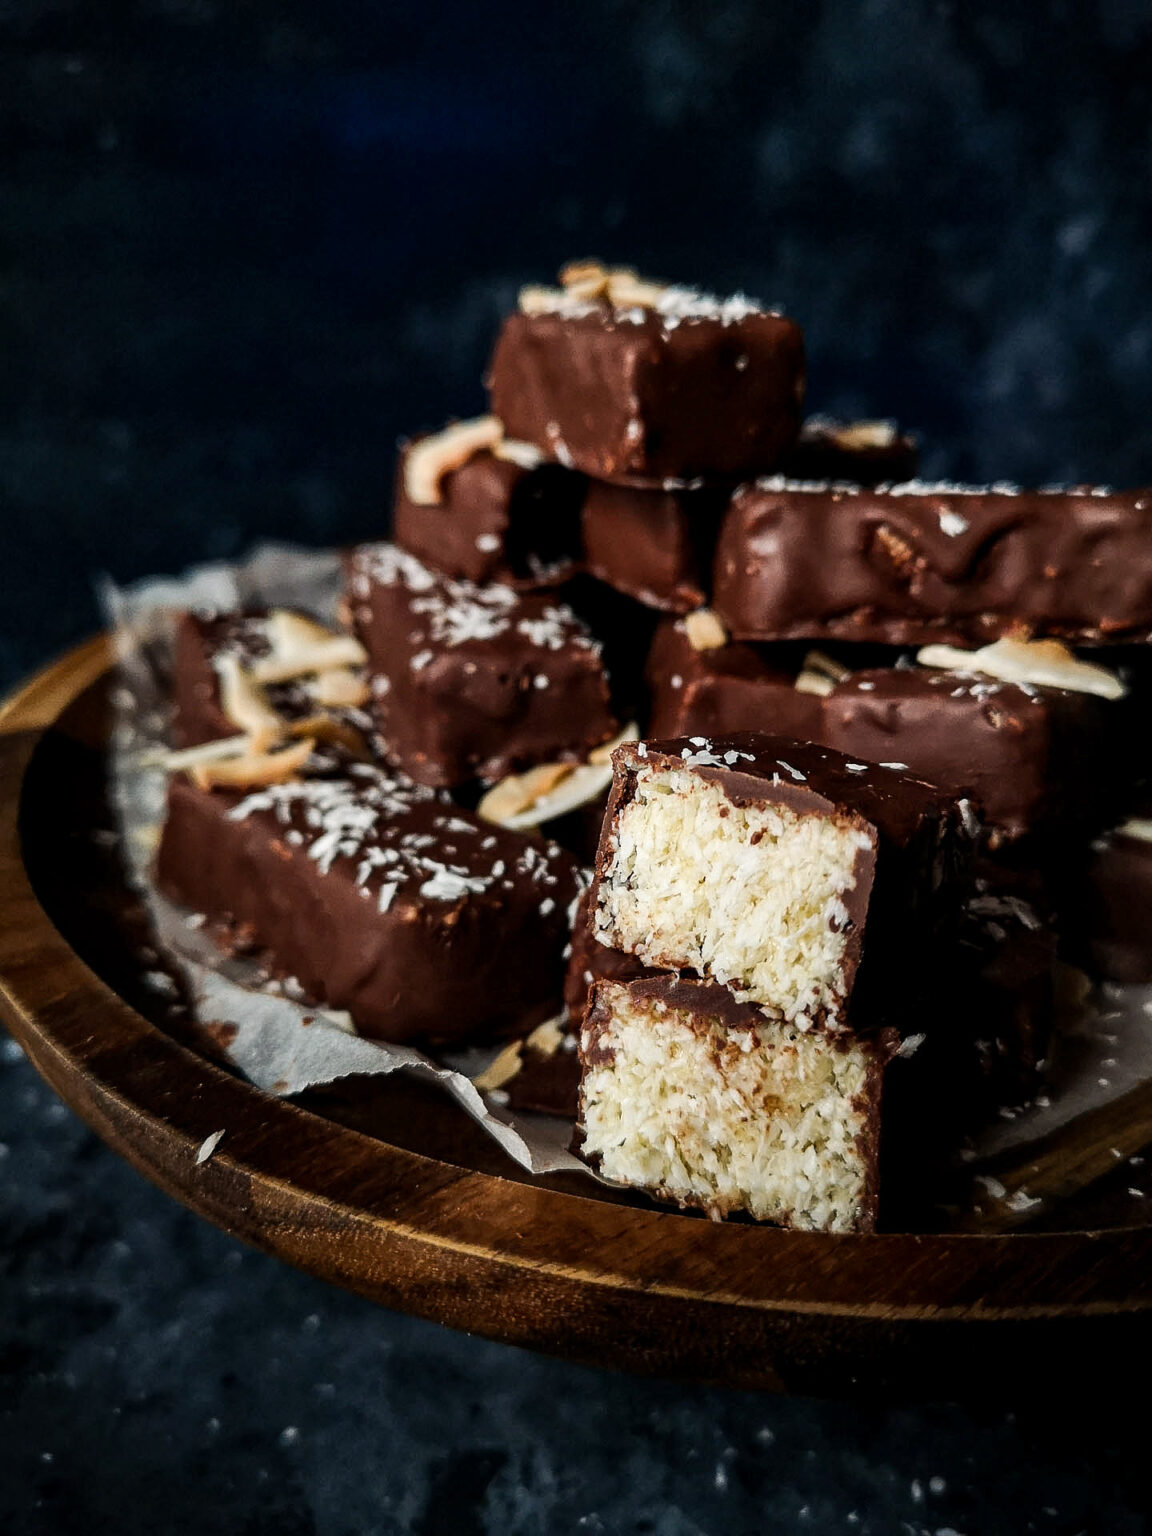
(280, 1044)
(284, 1046)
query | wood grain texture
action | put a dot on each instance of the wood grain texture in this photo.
(389, 1191)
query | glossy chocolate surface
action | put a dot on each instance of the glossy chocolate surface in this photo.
(380, 897)
(495, 521)
(473, 681)
(910, 564)
(1032, 758)
(636, 392)
(653, 545)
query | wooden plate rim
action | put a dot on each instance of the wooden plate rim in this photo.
(118, 1071)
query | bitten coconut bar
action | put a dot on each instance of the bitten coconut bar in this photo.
(758, 862)
(909, 564)
(496, 513)
(698, 1098)
(1034, 757)
(616, 376)
(380, 897)
(473, 681)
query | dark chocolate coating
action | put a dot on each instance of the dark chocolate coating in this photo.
(1032, 758)
(1118, 902)
(731, 687)
(633, 392)
(495, 521)
(907, 566)
(470, 681)
(825, 450)
(471, 939)
(546, 1085)
(1005, 995)
(653, 545)
(904, 906)
(196, 713)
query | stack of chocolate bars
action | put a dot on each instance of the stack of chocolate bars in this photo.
(873, 776)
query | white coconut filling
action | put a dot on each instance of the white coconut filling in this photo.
(749, 896)
(765, 1121)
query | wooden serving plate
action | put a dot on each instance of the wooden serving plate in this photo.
(388, 1189)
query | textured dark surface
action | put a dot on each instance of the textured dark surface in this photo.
(160, 1378)
(242, 249)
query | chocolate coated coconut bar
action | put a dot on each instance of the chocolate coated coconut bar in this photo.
(381, 897)
(495, 520)
(473, 681)
(654, 545)
(913, 563)
(780, 870)
(1032, 757)
(694, 1095)
(686, 386)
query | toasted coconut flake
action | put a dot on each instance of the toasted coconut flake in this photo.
(288, 631)
(328, 655)
(526, 800)
(1139, 827)
(339, 688)
(500, 1071)
(204, 752)
(519, 791)
(818, 683)
(535, 299)
(1042, 663)
(820, 661)
(865, 434)
(628, 291)
(705, 631)
(527, 455)
(603, 754)
(254, 769)
(434, 457)
(584, 279)
(243, 700)
(546, 1038)
(579, 787)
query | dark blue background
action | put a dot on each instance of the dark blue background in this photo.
(242, 248)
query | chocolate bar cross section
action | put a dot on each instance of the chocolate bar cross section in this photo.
(768, 865)
(700, 1099)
